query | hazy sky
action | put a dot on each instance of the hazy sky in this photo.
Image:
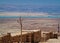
(30, 2)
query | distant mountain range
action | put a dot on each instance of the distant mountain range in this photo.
(30, 8)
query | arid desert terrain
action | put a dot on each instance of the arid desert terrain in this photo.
(12, 24)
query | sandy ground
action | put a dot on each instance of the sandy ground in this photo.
(12, 26)
(52, 41)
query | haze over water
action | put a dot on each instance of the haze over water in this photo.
(49, 8)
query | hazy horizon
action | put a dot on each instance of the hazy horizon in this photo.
(45, 8)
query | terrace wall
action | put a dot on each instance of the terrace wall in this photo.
(33, 37)
(29, 37)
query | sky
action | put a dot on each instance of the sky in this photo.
(30, 2)
(51, 7)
